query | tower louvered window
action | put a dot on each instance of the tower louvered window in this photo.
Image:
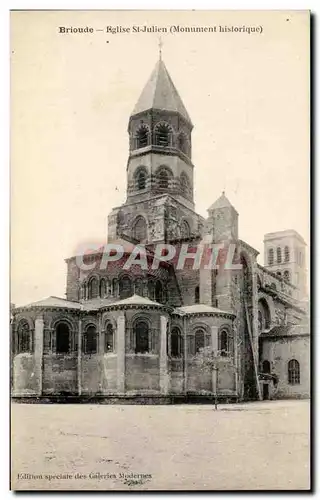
(163, 135)
(142, 137)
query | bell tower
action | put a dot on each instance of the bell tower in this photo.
(160, 142)
(159, 199)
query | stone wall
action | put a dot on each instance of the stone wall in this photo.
(279, 351)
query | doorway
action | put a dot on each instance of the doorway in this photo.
(266, 391)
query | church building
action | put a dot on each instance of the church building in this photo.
(137, 333)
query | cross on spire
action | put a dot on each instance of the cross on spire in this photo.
(160, 45)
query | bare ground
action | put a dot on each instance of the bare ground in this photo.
(252, 446)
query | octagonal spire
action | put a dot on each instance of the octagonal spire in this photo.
(160, 93)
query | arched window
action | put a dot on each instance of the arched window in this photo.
(151, 289)
(224, 342)
(142, 137)
(103, 288)
(125, 287)
(93, 288)
(141, 178)
(138, 287)
(176, 343)
(279, 258)
(62, 338)
(90, 340)
(270, 256)
(140, 229)
(264, 319)
(163, 134)
(185, 184)
(293, 372)
(24, 336)
(286, 254)
(159, 292)
(163, 179)
(185, 229)
(199, 340)
(141, 332)
(108, 338)
(197, 295)
(266, 367)
(286, 276)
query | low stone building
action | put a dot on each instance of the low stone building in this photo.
(138, 331)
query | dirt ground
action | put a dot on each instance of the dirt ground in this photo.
(263, 445)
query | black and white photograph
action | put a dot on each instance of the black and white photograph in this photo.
(160, 236)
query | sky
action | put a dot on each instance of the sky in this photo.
(71, 98)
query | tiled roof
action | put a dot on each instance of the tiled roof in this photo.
(54, 302)
(136, 300)
(200, 309)
(160, 93)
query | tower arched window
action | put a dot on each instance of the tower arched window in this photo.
(24, 337)
(286, 254)
(185, 184)
(293, 372)
(270, 256)
(141, 333)
(141, 179)
(279, 258)
(140, 229)
(185, 229)
(163, 134)
(125, 287)
(286, 276)
(109, 338)
(176, 343)
(163, 177)
(142, 137)
(197, 295)
(89, 344)
(63, 338)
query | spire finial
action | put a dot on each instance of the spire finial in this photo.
(223, 192)
(160, 45)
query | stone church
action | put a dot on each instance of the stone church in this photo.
(136, 332)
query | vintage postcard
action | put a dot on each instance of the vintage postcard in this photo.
(160, 334)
